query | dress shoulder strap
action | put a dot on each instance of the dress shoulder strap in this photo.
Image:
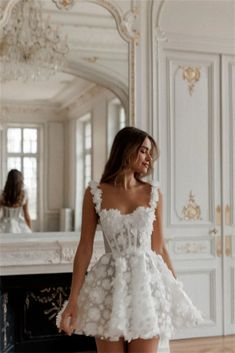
(154, 194)
(96, 194)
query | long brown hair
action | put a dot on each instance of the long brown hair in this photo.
(124, 151)
(13, 192)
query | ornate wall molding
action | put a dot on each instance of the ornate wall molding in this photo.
(27, 107)
(103, 79)
(127, 24)
(192, 247)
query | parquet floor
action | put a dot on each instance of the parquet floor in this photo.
(221, 344)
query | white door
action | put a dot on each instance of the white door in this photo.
(228, 189)
(189, 130)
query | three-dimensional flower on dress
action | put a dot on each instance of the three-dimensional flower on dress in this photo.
(130, 292)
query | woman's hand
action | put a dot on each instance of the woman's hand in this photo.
(69, 319)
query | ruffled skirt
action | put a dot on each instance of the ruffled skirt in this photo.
(133, 296)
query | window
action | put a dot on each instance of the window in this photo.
(122, 118)
(22, 153)
(116, 120)
(84, 150)
(83, 162)
(87, 145)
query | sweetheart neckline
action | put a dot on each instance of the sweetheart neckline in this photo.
(126, 214)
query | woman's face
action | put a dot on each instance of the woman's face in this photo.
(144, 157)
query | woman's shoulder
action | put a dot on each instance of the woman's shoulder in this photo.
(155, 184)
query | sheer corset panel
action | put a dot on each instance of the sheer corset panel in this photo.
(126, 233)
(12, 212)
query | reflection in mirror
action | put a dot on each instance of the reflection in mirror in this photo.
(14, 205)
(58, 132)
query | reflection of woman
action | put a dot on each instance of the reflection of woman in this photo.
(131, 293)
(14, 205)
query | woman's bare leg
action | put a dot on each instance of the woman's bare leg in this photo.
(106, 346)
(143, 346)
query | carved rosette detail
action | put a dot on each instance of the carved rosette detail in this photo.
(192, 76)
(192, 211)
(130, 24)
(67, 254)
(160, 35)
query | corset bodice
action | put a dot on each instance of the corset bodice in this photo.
(125, 233)
(12, 212)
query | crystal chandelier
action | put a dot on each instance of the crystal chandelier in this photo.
(30, 48)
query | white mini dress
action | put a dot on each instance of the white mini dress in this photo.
(130, 292)
(12, 219)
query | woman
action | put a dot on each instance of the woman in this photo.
(14, 205)
(131, 293)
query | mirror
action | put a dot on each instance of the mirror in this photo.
(69, 121)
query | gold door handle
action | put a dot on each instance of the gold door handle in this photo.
(228, 245)
(218, 246)
(214, 231)
(218, 215)
(227, 215)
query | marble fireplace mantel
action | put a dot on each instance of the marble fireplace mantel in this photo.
(35, 253)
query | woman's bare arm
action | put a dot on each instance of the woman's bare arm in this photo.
(158, 242)
(26, 214)
(81, 262)
(85, 246)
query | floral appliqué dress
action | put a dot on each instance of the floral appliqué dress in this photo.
(130, 292)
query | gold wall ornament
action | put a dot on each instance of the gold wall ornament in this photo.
(191, 75)
(64, 4)
(91, 60)
(192, 211)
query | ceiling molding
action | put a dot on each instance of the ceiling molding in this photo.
(103, 79)
(28, 106)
